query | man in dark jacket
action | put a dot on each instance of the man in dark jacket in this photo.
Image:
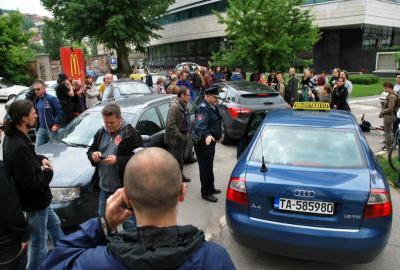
(49, 113)
(111, 149)
(176, 131)
(65, 93)
(149, 78)
(32, 174)
(292, 87)
(153, 187)
(14, 229)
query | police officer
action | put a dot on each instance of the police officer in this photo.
(207, 131)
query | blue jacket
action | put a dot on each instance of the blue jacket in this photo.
(236, 77)
(208, 122)
(49, 111)
(87, 249)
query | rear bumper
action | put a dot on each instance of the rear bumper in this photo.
(310, 243)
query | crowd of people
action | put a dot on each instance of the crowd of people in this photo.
(139, 189)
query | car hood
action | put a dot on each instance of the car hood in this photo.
(71, 165)
(15, 89)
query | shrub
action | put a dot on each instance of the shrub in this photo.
(364, 79)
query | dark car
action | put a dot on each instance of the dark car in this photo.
(73, 200)
(239, 99)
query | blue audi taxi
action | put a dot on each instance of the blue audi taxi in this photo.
(308, 186)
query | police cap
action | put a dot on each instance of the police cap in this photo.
(213, 90)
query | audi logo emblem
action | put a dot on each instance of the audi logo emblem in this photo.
(304, 193)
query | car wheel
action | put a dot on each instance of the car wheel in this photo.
(10, 97)
(225, 139)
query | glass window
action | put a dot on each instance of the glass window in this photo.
(131, 88)
(164, 108)
(309, 147)
(149, 123)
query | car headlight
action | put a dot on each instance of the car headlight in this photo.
(65, 194)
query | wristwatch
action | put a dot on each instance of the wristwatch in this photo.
(107, 231)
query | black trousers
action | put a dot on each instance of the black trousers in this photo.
(178, 151)
(205, 157)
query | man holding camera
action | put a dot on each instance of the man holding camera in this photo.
(153, 188)
(112, 147)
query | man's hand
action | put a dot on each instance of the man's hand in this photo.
(209, 139)
(115, 214)
(55, 128)
(96, 156)
(110, 160)
(47, 164)
(24, 245)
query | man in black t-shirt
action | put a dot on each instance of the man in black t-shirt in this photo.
(65, 93)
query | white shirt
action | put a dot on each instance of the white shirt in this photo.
(396, 88)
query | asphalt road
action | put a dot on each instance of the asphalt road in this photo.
(211, 217)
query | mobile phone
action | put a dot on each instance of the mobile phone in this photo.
(102, 158)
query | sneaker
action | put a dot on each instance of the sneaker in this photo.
(185, 179)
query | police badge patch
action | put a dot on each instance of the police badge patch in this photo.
(118, 139)
(200, 117)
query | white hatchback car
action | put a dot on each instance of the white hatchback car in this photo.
(9, 90)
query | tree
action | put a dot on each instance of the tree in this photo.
(53, 38)
(14, 48)
(117, 24)
(266, 33)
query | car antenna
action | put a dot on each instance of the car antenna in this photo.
(264, 167)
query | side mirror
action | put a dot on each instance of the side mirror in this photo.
(145, 138)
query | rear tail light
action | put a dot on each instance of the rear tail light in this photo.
(379, 204)
(237, 191)
(235, 111)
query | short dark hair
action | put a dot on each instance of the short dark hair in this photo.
(153, 180)
(39, 82)
(110, 109)
(182, 91)
(278, 72)
(388, 84)
(17, 110)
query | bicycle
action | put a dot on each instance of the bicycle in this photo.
(394, 153)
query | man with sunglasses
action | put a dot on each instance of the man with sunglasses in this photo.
(207, 131)
(49, 112)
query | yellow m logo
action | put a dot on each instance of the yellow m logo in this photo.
(75, 69)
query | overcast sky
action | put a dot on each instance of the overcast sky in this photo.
(25, 6)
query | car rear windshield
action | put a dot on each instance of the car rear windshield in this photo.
(309, 147)
(261, 99)
(131, 88)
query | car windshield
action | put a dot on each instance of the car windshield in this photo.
(81, 130)
(131, 88)
(309, 147)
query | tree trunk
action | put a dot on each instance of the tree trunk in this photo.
(122, 58)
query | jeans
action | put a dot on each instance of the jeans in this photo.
(43, 136)
(129, 224)
(43, 223)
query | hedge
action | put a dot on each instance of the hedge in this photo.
(364, 79)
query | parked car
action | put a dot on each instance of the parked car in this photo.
(73, 200)
(309, 186)
(129, 87)
(239, 99)
(9, 90)
(191, 65)
(138, 75)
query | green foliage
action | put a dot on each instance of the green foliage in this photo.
(14, 50)
(27, 24)
(37, 47)
(114, 23)
(53, 38)
(267, 33)
(364, 79)
(387, 170)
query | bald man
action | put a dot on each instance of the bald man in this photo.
(153, 187)
(111, 91)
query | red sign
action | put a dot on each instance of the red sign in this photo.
(73, 63)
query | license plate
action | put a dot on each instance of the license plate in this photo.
(312, 207)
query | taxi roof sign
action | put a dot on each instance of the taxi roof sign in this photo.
(312, 106)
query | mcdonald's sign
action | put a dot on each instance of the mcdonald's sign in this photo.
(73, 63)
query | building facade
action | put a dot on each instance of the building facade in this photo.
(357, 35)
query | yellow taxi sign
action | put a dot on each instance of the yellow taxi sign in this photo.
(312, 106)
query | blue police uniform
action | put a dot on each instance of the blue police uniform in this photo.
(208, 122)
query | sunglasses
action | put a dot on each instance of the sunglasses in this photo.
(37, 89)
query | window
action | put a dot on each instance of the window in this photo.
(149, 123)
(309, 147)
(164, 108)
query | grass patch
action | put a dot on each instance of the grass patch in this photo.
(361, 90)
(387, 170)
